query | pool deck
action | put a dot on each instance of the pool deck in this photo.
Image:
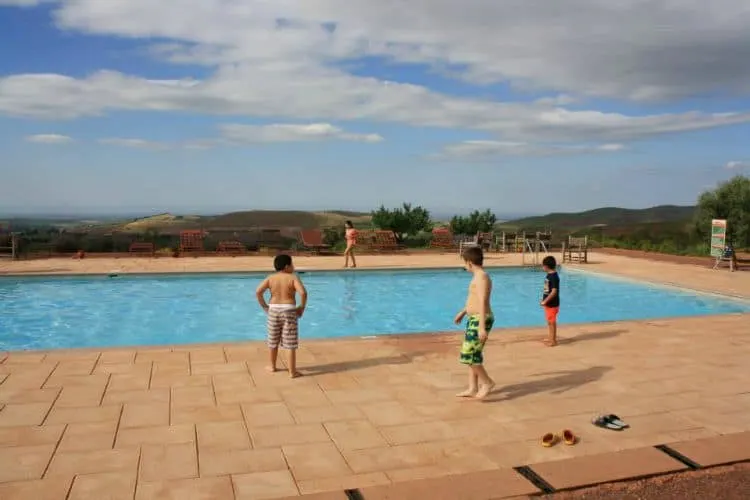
(206, 421)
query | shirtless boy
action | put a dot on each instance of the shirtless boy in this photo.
(283, 311)
(479, 322)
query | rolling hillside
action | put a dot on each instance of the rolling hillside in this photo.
(608, 216)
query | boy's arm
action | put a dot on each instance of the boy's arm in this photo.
(260, 294)
(483, 289)
(554, 285)
(302, 291)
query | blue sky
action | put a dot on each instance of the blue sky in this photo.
(215, 105)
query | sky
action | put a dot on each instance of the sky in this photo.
(520, 106)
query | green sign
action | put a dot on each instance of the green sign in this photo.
(718, 237)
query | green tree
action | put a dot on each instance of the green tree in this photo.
(473, 223)
(404, 220)
(731, 201)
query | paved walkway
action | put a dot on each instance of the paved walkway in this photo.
(208, 422)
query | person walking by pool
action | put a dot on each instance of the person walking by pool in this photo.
(283, 311)
(551, 298)
(351, 242)
(479, 320)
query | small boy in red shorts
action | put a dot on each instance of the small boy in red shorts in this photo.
(551, 298)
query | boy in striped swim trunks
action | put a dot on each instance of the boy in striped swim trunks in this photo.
(479, 321)
(283, 311)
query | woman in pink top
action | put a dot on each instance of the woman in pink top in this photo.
(351, 242)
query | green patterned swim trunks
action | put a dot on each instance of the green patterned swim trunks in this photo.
(471, 349)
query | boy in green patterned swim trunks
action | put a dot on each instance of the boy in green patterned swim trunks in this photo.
(478, 324)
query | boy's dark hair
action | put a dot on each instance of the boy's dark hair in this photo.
(473, 255)
(281, 261)
(550, 262)
(349, 223)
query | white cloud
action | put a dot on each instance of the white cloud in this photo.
(237, 133)
(135, 143)
(737, 165)
(49, 139)
(287, 59)
(487, 149)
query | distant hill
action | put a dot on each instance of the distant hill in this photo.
(608, 216)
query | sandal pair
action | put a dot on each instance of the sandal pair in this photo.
(550, 439)
(611, 422)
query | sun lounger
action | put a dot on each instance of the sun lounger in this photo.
(191, 241)
(231, 248)
(385, 241)
(312, 240)
(443, 239)
(142, 247)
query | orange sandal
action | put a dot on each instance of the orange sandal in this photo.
(549, 440)
(569, 438)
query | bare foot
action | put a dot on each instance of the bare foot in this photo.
(271, 369)
(468, 393)
(295, 374)
(549, 343)
(485, 390)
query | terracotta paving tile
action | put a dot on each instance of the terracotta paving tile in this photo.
(329, 495)
(42, 489)
(129, 381)
(355, 435)
(220, 369)
(716, 450)
(160, 355)
(126, 368)
(21, 463)
(390, 413)
(279, 435)
(87, 437)
(595, 469)
(304, 397)
(30, 435)
(262, 414)
(341, 483)
(326, 413)
(502, 483)
(315, 461)
(220, 462)
(161, 380)
(223, 435)
(79, 396)
(80, 367)
(208, 413)
(423, 432)
(177, 367)
(204, 488)
(393, 457)
(232, 380)
(357, 396)
(144, 414)
(59, 381)
(24, 358)
(264, 485)
(246, 394)
(105, 485)
(71, 463)
(92, 414)
(210, 355)
(136, 396)
(190, 396)
(17, 414)
(163, 434)
(116, 357)
(168, 461)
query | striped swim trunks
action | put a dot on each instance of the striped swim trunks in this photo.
(282, 326)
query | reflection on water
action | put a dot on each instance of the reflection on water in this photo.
(350, 301)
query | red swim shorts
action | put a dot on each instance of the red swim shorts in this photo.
(551, 314)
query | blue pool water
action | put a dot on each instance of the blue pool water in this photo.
(42, 313)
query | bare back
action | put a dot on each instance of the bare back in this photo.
(480, 290)
(283, 288)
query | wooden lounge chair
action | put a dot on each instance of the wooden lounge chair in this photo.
(576, 250)
(367, 241)
(142, 247)
(191, 241)
(385, 241)
(231, 248)
(442, 239)
(312, 240)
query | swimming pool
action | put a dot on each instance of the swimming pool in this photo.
(56, 312)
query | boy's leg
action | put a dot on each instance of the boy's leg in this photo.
(274, 326)
(551, 315)
(354, 260)
(290, 341)
(486, 384)
(473, 386)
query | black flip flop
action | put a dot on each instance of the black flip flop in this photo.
(603, 422)
(617, 421)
